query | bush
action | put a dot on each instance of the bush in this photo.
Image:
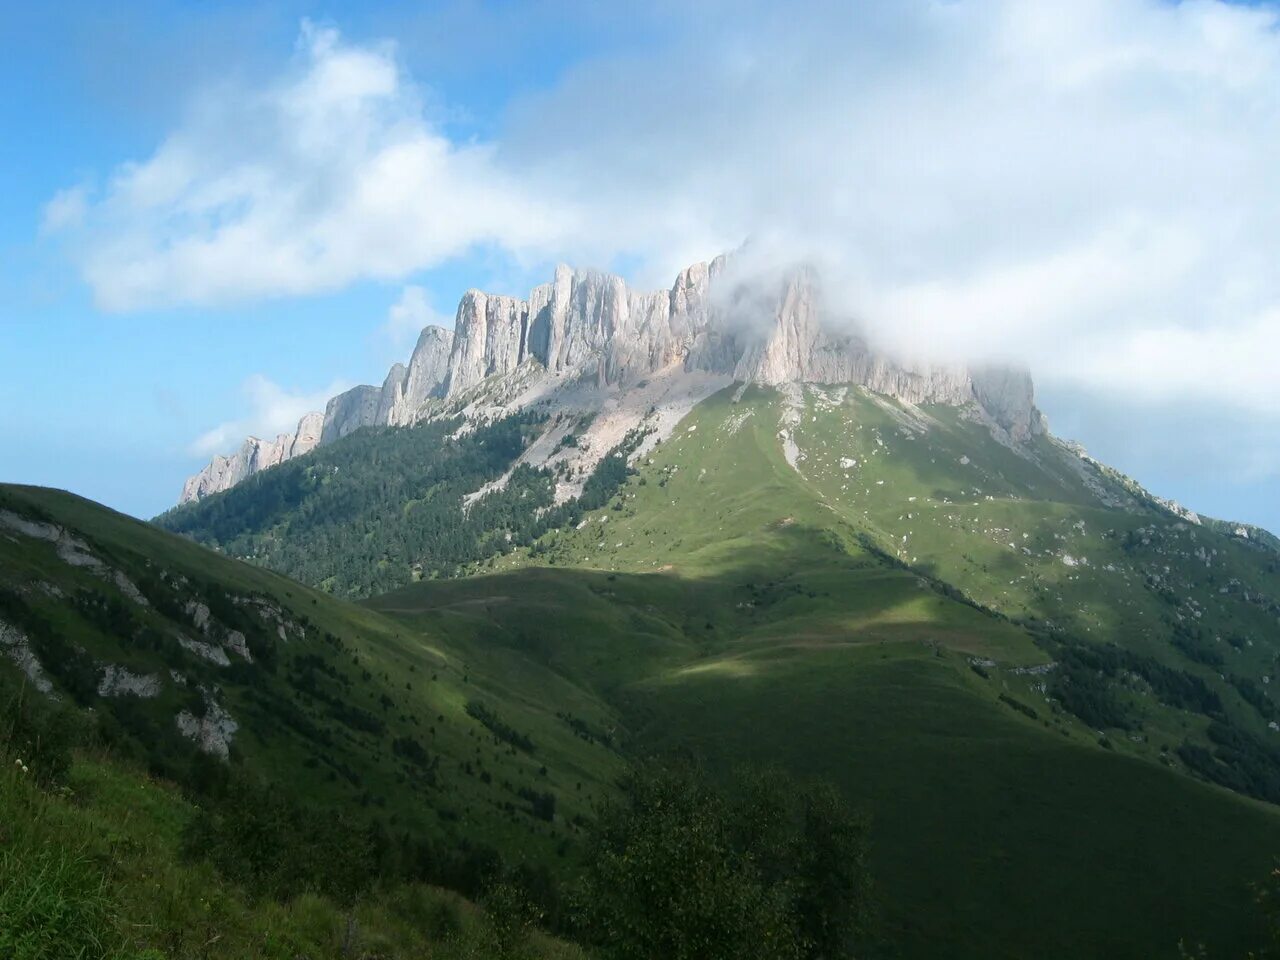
(503, 731)
(274, 847)
(685, 871)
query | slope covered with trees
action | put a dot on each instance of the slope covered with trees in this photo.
(384, 507)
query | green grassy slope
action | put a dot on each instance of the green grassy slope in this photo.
(339, 705)
(724, 604)
(95, 870)
(1047, 540)
(993, 836)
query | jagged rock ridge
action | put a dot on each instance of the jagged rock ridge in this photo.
(254, 454)
(588, 326)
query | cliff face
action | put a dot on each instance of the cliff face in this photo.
(591, 325)
(254, 455)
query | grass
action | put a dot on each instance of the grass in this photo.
(347, 684)
(94, 872)
(993, 835)
(723, 606)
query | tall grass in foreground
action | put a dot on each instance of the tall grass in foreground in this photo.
(91, 868)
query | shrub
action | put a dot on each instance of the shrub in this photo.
(683, 870)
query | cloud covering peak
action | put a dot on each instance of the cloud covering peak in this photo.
(1085, 186)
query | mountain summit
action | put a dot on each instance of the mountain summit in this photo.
(586, 340)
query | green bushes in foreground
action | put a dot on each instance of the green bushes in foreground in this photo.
(682, 870)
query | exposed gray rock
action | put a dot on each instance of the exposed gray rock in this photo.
(238, 644)
(1008, 396)
(392, 393)
(117, 682)
(254, 455)
(206, 651)
(307, 436)
(35, 529)
(348, 412)
(16, 646)
(425, 378)
(213, 732)
(71, 550)
(128, 588)
(199, 614)
(588, 326)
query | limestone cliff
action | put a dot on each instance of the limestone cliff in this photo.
(590, 327)
(254, 454)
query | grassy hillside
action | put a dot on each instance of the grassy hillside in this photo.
(1075, 555)
(95, 870)
(171, 646)
(732, 606)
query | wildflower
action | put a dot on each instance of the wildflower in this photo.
(18, 762)
(24, 769)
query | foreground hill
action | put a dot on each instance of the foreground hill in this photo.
(95, 868)
(195, 664)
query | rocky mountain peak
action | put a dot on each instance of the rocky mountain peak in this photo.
(589, 327)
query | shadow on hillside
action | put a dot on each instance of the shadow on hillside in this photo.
(803, 585)
(996, 829)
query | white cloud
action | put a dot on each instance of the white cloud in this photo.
(329, 175)
(272, 410)
(65, 211)
(1084, 185)
(410, 314)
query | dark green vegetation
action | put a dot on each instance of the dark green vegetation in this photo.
(1035, 681)
(100, 864)
(383, 507)
(368, 514)
(766, 869)
(171, 646)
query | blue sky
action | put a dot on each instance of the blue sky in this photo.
(1085, 189)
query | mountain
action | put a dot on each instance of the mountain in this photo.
(716, 324)
(254, 455)
(1047, 687)
(709, 523)
(1028, 781)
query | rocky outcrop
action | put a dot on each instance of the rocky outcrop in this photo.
(15, 645)
(1007, 395)
(348, 412)
(212, 732)
(425, 375)
(117, 681)
(588, 326)
(254, 454)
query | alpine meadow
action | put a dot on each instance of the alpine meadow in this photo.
(651, 607)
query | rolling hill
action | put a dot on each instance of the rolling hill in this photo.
(186, 659)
